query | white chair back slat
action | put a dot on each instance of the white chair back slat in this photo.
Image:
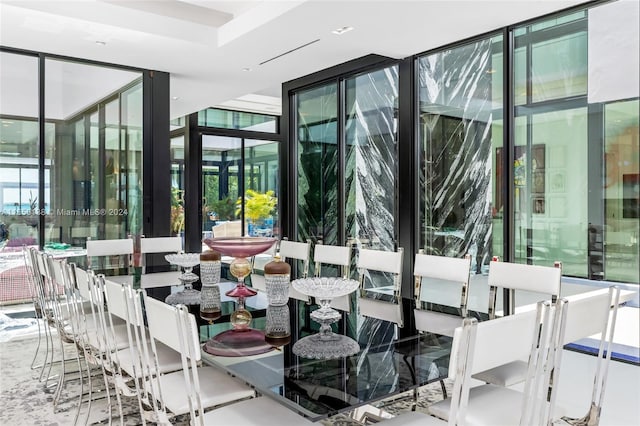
(442, 268)
(588, 314)
(115, 299)
(294, 250)
(378, 260)
(535, 278)
(122, 246)
(162, 324)
(160, 245)
(387, 311)
(332, 255)
(501, 340)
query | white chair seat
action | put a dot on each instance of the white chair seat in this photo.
(488, 405)
(256, 411)
(121, 338)
(168, 360)
(413, 418)
(505, 375)
(216, 388)
(436, 322)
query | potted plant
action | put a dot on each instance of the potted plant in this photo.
(177, 211)
(258, 210)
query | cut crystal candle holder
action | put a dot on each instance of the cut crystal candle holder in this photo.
(188, 296)
(326, 344)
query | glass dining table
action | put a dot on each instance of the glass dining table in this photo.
(387, 364)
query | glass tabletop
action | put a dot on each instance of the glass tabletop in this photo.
(319, 388)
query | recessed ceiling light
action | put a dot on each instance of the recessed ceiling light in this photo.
(175, 98)
(101, 43)
(246, 69)
(342, 30)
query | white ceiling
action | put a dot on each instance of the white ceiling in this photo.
(205, 45)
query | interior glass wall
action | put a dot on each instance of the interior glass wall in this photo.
(92, 151)
(460, 135)
(317, 171)
(371, 157)
(97, 113)
(576, 149)
(19, 150)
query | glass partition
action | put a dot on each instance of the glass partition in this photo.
(460, 134)
(317, 171)
(19, 151)
(97, 117)
(371, 157)
(576, 148)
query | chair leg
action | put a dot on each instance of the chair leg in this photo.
(444, 389)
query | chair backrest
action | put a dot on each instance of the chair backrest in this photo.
(114, 294)
(590, 313)
(115, 247)
(332, 255)
(453, 271)
(227, 229)
(336, 256)
(518, 276)
(296, 250)
(488, 344)
(162, 325)
(301, 252)
(160, 245)
(386, 262)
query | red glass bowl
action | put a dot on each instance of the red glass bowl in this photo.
(240, 246)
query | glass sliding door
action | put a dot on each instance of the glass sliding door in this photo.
(19, 152)
(93, 152)
(371, 157)
(576, 145)
(460, 136)
(317, 164)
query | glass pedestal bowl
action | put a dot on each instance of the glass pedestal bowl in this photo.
(188, 296)
(326, 344)
(240, 248)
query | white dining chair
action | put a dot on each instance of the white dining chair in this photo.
(334, 256)
(171, 391)
(299, 252)
(542, 280)
(248, 412)
(447, 276)
(371, 301)
(101, 249)
(589, 314)
(535, 334)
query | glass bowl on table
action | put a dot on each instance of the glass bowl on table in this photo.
(325, 344)
(188, 296)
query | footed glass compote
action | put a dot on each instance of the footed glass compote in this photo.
(240, 248)
(326, 344)
(188, 296)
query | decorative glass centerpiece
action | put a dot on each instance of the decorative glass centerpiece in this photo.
(326, 344)
(188, 296)
(240, 248)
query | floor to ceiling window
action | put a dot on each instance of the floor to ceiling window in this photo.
(84, 180)
(239, 174)
(576, 155)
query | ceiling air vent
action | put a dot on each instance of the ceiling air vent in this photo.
(289, 51)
